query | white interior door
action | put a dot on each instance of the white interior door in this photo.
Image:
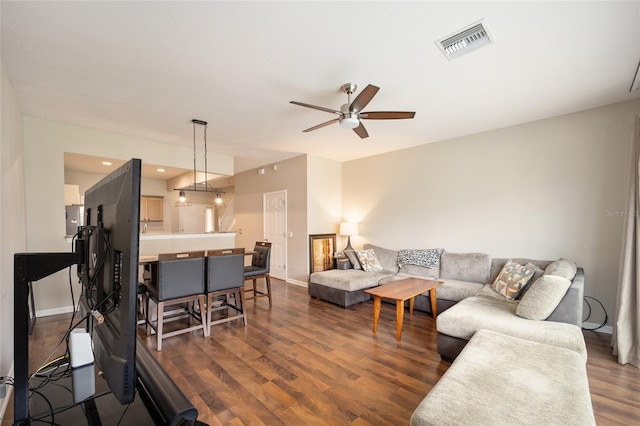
(275, 228)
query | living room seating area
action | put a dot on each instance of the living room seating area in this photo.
(488, 311)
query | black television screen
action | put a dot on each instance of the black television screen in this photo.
(109, 275)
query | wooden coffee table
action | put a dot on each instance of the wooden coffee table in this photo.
(400, 291)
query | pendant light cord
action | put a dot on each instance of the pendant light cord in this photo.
(195, 185)
(206, 174)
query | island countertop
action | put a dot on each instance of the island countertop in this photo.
(171, 243)
(177, 235)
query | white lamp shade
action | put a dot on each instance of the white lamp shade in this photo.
(349, 228)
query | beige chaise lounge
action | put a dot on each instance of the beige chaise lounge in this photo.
(504, 380)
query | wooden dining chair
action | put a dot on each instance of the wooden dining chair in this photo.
(259, 268)
(178, 279)
(225, 279)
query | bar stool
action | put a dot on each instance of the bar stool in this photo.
(179, 280)
(225, 277)
(259, 268)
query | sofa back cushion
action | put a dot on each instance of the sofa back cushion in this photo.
(543, 297)
(420, 271)
(474, 267)
(387, 258)
(564, 268)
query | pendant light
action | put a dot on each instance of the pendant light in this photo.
(195, 186)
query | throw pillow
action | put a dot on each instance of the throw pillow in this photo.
(543, 297)
(537, 274)
(353, 258)
(512, 279)
(429, 258)
(386, 257)
(369, 260)
(564, 268)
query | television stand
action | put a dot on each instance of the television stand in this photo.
(162, 401)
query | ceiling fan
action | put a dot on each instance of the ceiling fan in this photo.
(350, 114)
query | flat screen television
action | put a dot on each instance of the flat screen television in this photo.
(108, 271)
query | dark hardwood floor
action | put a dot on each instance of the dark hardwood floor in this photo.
(304, 361)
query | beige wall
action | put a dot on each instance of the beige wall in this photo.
(13, 236)
(45, 143)
(250, 187)
(324, 203)
(544, 190)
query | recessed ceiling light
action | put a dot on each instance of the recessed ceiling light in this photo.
(160, 170)
(106, 163)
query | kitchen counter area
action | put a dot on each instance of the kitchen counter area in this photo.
(154, 243)
(170, 243)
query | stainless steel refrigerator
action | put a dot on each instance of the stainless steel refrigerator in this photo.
(74, 216)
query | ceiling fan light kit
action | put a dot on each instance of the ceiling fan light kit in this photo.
(349, 121)
(351, 113)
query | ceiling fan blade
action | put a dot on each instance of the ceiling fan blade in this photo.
(387, 115)
(363, 98)
(332, 111)
(361, 131)
(335, 120)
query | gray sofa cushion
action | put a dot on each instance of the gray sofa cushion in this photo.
(503, 380)
(420, 271)
(543, 297)
(456, 290)
(353, 258)
(348, 279)
(486, 311)
(562, 268)
(473, 267)
(387, 258)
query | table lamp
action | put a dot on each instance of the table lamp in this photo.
(348, 229)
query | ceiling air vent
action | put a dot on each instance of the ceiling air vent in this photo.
(466, 40)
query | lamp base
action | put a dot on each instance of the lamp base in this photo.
(348, 247)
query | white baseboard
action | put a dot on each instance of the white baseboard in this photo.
(296, 282)
(607, 329)
(4, 402)
(54, 311)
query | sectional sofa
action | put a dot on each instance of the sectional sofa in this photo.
(463, 275)
(516, 349)
(466, 302)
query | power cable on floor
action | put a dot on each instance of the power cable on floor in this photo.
(604, 322)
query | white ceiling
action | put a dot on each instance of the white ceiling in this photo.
(89, 163)
(147, 68)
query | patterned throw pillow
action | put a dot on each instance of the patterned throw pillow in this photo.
(513, 277)
(429, 258)
(369, 260)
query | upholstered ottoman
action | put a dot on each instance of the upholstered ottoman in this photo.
(504, 380)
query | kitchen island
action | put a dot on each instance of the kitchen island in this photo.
(172, 243)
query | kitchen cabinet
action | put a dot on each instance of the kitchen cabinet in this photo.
(151, 208)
